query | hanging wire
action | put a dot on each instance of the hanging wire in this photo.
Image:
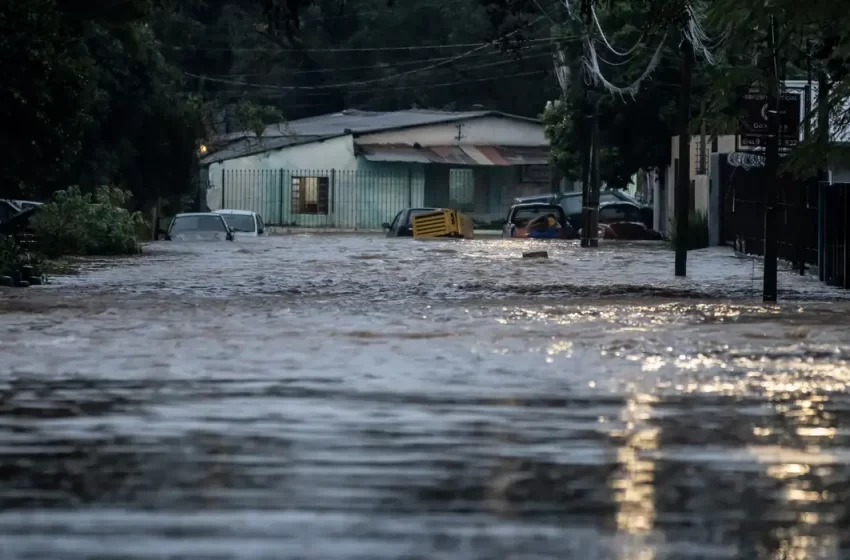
(569, 9)
(591, 64)
(693, 32)
(605, 39)
(562, 70)
(621, 63)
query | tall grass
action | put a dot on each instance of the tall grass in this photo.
(697, 232)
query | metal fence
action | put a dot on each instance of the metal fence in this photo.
(813, 220)
(319, 198)
(834, 238)
(742, 215)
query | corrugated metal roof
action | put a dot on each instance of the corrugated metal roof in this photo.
(359, 122)
(456, 155)
(249, 146)
(311, 129)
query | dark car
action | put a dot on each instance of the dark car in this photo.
(402, 224)
(538, 221)
(571, 203)
(624, 220)
(199, 227)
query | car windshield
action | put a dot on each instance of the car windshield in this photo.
(609, 197)
(619, 213)
(240, 222)
(524, 216)
(183, 224)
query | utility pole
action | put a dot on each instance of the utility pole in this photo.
(807, 132)
(682, 197)
(771, 230)
(824, 260)
(703, 151)
(587, 134)
(595, 182)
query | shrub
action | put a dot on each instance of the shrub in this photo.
(73, 223)
(9, 253)
(697, 232)
(13, 256)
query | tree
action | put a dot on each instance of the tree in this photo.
(635, 130)
(46, 95)
(92, 100)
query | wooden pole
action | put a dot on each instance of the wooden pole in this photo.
(595, 182)
(587, 133)
(824, 261)
(771, 230)
(682, 197)
(802, 193)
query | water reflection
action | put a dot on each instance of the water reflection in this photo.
(809, 531)
(634, 484)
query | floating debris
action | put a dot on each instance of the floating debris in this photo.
(536, 255)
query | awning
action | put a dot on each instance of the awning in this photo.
(456, 155)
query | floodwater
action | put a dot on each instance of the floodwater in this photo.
(356, 397)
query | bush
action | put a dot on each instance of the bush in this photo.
(73, 223)
(13, 256)
(9, 253)
(697, 233)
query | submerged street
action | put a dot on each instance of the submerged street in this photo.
(357, 397)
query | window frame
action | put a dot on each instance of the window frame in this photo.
(298, 185)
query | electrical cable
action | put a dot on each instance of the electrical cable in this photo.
(376, 66)
(370, 81)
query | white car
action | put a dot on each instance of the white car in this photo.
(243, 223)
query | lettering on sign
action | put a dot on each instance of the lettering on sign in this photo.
(755, 114)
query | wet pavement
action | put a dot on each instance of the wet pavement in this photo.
(356, 397)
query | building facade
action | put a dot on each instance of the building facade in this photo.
(356, 169)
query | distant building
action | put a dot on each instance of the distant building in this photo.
(356, 169)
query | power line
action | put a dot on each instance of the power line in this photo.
(460, 69)
(360, 49)
(444, 84)
(375, 66)
(413, 86)
(374, 80)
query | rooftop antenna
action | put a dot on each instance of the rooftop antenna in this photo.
(459, 136)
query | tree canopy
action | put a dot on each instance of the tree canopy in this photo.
(123, 92)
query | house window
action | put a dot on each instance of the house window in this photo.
(310, 195)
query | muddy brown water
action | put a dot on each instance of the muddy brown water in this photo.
(356, 397)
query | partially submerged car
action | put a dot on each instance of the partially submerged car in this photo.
(572, 204)
(538, 221)
(199, 226)
(624, 220)
(402, 224)
(243, 223)
(11, 207)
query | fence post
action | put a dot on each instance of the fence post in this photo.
(821, 232)
(332, 196)
(222, 187)
(280, 198)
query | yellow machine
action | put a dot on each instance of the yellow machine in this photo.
(442, 223)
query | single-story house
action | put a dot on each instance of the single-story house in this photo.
(357, 169)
